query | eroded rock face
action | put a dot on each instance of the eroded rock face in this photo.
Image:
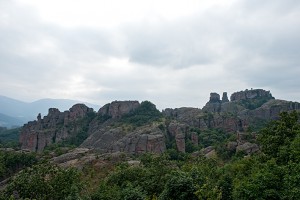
(225, 97)
(142, 140)
(189, 116)
(214, 98)
(107, 136)
(250, 94)
(214, 103)
(178, 131)
(248, 148)
(117, 109)
(194, 139)
(36, 135)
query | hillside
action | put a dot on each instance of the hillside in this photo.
(7, 121)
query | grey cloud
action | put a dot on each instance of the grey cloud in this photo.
(178, 45)
(250, 44)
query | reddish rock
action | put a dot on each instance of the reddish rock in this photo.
(194, 138)
(36, 135)
(178, 131)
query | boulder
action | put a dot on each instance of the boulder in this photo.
(248, 148)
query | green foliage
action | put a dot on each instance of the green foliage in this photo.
(280, 138)
(272, 174)
(179, 186)
(103, 118)
(189, 146)
(133, 193)
(45, 182)
(78, 131)
(263, 182)
(144, 114)
(11, 162)
(173, 154)
(252, 104)
(106, 192)
(211, 137)
(291, 181)
(9, 137)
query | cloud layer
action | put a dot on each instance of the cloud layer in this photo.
(172, 61)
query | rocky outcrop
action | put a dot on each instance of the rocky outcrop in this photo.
(189, 116)
(194, 139)
(178, 131)
(248, 148)
(230, 116)
(225, 97)
(214, 103)
(107, 132)
(38, 134)
(142, 140)
(250, 94)
(117, 109)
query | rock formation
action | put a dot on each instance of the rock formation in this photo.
(214, 103)
(117, 109)
(178, 131)
(144, 139)
(225, 97)
(107, 133)
(36, 135)
(250, 94)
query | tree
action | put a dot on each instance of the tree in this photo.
(264, 182)
(46, 181)
(277, 139)
(179, 186)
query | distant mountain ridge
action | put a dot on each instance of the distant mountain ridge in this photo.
(14, 112)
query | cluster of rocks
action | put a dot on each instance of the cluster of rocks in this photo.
(214, 103)
(107, 137)
(38, 134)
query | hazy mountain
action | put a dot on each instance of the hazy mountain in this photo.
(7, 121)
(16, 112)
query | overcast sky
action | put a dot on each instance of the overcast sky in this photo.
(173, 53)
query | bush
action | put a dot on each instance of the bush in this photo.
(46, 181)
(144, 114)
